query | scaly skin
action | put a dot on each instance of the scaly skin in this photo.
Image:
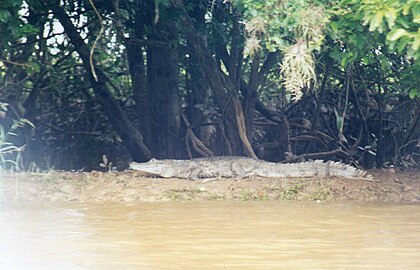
(240, 167)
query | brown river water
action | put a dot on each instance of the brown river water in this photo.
(209, 235)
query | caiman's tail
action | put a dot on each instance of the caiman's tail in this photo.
(315, 168)
(339, 169)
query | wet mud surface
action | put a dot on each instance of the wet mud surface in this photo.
(131, 186)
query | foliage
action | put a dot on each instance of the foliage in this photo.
(298, 68)
(10, 154)
(13, 26)
(297, 29)
(399, 20)
(351, 67)
(294, 27)
(393, 30)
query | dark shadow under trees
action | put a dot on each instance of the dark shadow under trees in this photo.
(175, 81)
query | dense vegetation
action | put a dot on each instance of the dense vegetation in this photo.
(90, 81)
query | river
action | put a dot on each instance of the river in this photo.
(210, 235)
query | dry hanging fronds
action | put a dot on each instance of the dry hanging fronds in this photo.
(252, 45)
(255, 26)
(311, 23)
(298, 68)
(255, 29)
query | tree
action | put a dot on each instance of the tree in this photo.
(180, 78)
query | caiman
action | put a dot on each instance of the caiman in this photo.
(241, 167)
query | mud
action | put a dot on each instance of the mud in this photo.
(130, 186)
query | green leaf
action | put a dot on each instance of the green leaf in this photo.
(406, 9)
(402, 44)
(413, 93)
(404, 22)
(34, 66)
(253, 12)
(391, 16)
(4, 15)
(396, 34)
(415, 9)
(358, 41)
(334, 26)
(339, 120)
(416, 44)
(375, 21)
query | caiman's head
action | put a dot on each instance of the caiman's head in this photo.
(154, 166)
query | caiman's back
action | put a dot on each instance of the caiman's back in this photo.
(240, 167)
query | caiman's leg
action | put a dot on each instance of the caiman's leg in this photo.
(238, 170)
(194, 171)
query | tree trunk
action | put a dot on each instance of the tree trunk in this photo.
(163, 79)
(225, 93)
(131, 138)
(251, 97)
(282, 130)
(140, 88)
(135, 45)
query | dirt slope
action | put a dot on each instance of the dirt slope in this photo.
(131, 186)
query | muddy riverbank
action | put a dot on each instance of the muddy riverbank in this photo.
(130, 186)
